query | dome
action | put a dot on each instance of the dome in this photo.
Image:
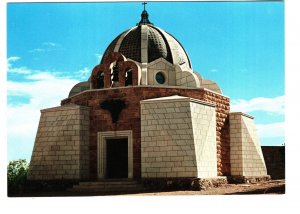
(144, 55)
(145, 43)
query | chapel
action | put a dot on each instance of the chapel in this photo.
(144, 114)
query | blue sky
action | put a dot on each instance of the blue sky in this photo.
(51, 47)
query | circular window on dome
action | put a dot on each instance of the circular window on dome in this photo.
(160, 78)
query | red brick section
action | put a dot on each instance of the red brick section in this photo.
(129, 119)
(222, 129)
(123, 65)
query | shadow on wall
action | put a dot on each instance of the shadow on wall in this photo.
(275, 161)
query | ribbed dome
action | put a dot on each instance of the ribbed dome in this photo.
(145, 43)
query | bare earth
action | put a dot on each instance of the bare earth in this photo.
(269, 187)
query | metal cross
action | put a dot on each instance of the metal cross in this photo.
(144, 3)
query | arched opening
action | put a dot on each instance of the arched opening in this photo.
(115, 76)
(128, 77)
(100, 80)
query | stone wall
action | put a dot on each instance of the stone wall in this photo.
(204, 131)
(275, 161)
(178, 138)
(167, 142)
(61, 145)
(245, 151)
(130, 118)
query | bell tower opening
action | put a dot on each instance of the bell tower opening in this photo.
(115, 75)
(100, 80)
(128, 78)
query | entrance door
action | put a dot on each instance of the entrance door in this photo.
(117, 158)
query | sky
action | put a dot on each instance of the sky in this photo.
(53, 46)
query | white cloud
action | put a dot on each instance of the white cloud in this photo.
(52, 44)
(99, 57)
(44, 91)
(12, 59)
(41, 76)
(47, 91)
(214, 70)
(47, 47)
(272, 105)
(37, 50)
(83, 74)
(270, 130)
(84, 71)
(19, 70)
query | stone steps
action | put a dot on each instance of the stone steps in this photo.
(108, 187)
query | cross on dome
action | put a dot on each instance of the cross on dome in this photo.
(144, 3)
(144, 16)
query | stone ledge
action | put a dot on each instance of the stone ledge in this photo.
(176, 98)
(65, 107)
(148, 86)
(241, 113)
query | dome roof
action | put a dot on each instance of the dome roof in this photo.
(145, 43)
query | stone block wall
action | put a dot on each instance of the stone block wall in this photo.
(167, 143)
(178, 138)
(61, 149)
(245, 151)
(130, 118)
(204, 131)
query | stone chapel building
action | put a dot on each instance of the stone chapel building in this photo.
(144, 113)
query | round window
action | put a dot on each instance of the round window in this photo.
(160, 78)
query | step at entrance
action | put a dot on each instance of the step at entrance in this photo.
(111, 186)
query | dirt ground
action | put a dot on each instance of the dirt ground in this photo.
(268, 187)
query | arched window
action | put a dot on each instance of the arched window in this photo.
(100, 80)
(128, 77)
